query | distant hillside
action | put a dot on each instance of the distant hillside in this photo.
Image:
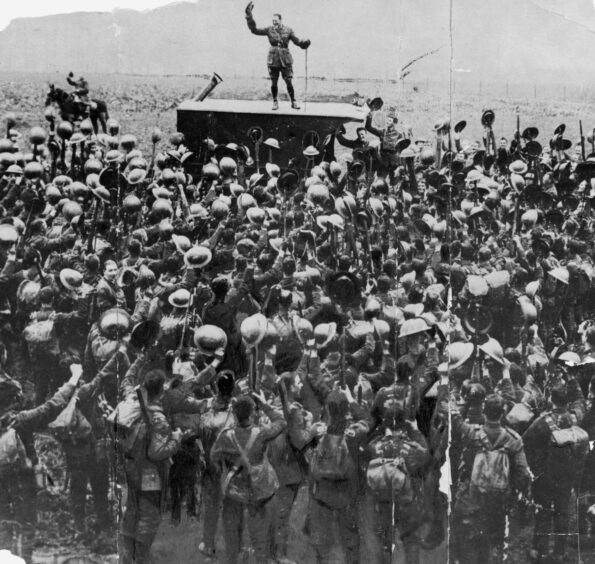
(516, 40)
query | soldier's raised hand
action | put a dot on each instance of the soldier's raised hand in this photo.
(76, 371)
(249, 8)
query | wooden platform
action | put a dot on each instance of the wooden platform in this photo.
(227, 121)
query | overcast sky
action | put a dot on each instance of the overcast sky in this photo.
(31, 8)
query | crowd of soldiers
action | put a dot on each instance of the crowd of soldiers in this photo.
(366, 327)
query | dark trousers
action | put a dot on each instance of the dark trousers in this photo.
(284, 501)
(139, 525)
(91, 467)
(552, 519)
(18, 512)
(319, 523)
(211, 492)
(259, 526)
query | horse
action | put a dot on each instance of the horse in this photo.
(72, 109)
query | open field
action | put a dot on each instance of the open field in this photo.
(143, 102)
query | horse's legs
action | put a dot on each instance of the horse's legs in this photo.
(95, 125)
(103, 121)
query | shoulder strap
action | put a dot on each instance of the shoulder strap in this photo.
(551, 423)
(485, 441)
(244, 451)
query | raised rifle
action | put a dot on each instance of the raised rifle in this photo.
(92, 229)
(580, 124)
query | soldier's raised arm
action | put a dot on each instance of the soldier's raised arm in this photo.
(251, 23)
(36, 419)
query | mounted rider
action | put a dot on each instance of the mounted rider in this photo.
(81, 92)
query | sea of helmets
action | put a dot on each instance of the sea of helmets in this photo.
(475, 265)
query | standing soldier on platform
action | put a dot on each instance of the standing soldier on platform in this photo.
(279, 60)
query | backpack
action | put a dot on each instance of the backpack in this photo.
(389, 480)
(520, 416)
(41, 338)
(331, 459)
(388, 477)
(261, 482)
(71, 425)
(13, 455)
(568, 450)
(490, 474)
(129, 427)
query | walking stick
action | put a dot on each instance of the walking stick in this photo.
(306, 89)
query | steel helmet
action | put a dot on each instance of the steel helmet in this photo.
(335, 169)
(113, 127)
(494, 350)
(92, 166)
(102, 193)
(303, 329)
(131, 203)
(14, 169)
(6, 146)
(113, 156)
(156, 135)
(65, 130)
(373, 307)
(219, 209)
(272, 169)
(177, 138)
(168, 176)
(62, 180)
(136, 176)
(477, 286)
(182, 243)
(569, 358)
(33, 170)
(8, 234)
(318, 194)
(134, 154)
(459, 353)
(253, 329)
(37, 136)
(210, 171)
(560, 274)
(180, 298)
(78, 190)
(70, 278)
(427, 156)
(256, 216)
(209, 338)
(138, 163)
(228, 166)
(198, 257)
(114, 323)
(246, 201)
(324, 334)
(162, 208)
(413, 326)
(381, 327)
(86, 127)
(197, 210)
(71, 210)
(128, 142)
(529, 218)
(236, 189)
(52, 194)
(346, 206)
